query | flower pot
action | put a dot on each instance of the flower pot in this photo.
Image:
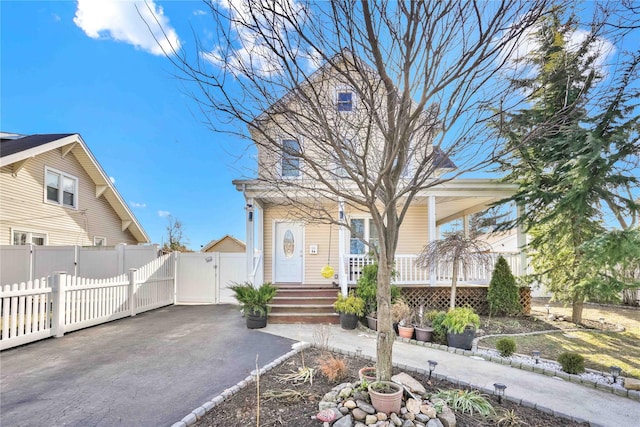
(405, 331)
(372, 322)
(256, 320)
(368, 374)
(462, 340)
(423, 334)
(348, 321)
(387, 401)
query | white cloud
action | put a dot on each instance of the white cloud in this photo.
(55, 17)
(138, 205)
(112, 179)
(164, 214)
(127, 21)
(199, 12)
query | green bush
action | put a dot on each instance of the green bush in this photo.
(457, 319)
(503, 294)
(506, 346)
(350, 304)
(572, 363)
(252, 299)
(439, 330)
(367, 288)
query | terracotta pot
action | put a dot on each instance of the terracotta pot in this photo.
(424, 334)
(367, 373)
(348, 321)
(372, 323)
(386, 402)
(405, 331)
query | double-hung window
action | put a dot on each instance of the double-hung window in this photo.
(20, 237)
(363, 230)
(61, 188)
(290, 158)
(345, 100)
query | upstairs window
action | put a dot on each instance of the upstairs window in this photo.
(28, 237)
(61, 188)
(290, 158)
(345, 100)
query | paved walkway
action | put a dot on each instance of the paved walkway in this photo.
(147, 370)
(577, 401)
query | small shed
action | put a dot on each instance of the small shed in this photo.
(226, 244)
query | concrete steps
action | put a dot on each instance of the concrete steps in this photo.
(296, 303)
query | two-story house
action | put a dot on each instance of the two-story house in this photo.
(53, 191)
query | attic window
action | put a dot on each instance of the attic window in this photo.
(345, 100)
(290, 158)
(61, 188)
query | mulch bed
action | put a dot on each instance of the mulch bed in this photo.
(300, 402)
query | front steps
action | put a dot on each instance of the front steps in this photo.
(311, 304)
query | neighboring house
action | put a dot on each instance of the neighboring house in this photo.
(226, 244)
(54, 192)
(289, 249)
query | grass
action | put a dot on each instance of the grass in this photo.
(600, 349)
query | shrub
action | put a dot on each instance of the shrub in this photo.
(252, 299)
(333, 368)
(401, 313)
(350, 304)
(456, 320)
(439, 330)
(506, 346)
(572, 363)
(503, 294)
(466, 401)
(368, 287)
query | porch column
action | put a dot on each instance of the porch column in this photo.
(465, 226)
(258, 218)
(250, 240)
(431, 226)
(522, 243)
(342, 274)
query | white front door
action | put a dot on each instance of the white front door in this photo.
(288, 252)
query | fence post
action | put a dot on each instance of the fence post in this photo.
(58, 287)
(132, 289)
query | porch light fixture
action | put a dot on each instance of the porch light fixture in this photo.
(499, 390)
(536, 355)
(250, 209)
(615, 372)
(432, 367)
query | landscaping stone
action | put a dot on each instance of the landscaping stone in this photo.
(346, 421)
(429, 411)
(359, 414)
(408, 381)
(413, 406)
(326, 415)
(447, 417)
(395, 420)
(366, 407)
(632, 384)
(371, 419)
(434, 423)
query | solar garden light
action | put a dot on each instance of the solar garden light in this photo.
(536, 355)
(602, 322)
(499, 390)
(359, 352)
(615, 372)
(548, 307)
(432, 367)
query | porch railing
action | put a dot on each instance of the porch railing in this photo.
(408, 273)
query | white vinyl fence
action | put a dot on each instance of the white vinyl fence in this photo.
(51, 306)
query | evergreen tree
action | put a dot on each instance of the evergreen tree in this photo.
(503, 295)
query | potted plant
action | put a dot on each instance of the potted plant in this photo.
(254, 302)
(372, 320)
(368, 374)
(461, 324)
(401, 315)
(424, 327)
(367, 289)
(386, 396)
(350, 308)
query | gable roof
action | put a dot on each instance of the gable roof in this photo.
(215, 242)
(16, 150)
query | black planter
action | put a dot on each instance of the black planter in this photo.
(348, 321)
(423, 334)
(463, 340)
(255, 320)
(372, 323)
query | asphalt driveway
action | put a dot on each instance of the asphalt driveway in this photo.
(149, 370)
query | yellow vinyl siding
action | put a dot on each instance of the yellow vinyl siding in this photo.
(23, 206)
(414, 232)
(227, 245)
(318, 234)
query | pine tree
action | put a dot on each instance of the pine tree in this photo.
(503, 295)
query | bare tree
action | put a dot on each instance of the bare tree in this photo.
(175, 239)
(421, 73)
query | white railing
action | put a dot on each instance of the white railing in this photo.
(407, 273)
(61, 303)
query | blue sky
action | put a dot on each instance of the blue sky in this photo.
(126, 103)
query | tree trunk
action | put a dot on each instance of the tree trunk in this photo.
(386, 335)
(454, 282)
(577, 306)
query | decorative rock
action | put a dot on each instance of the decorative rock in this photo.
(631, 384)
(344, 422)
(395, 420)
(359, 424)
(429, 411)
(326, 415)
(366, 407)
(434, 423)
(410, 416)
(350, 404)
(408, 423)
(331, 396)
(381, 416)
(413, 406)
(371, 419)
(344, 410)
(360, 395)
(345, 392)
(338, 413)
(359, 414)
(422, 418)
(447, 417)
(408, 381)
(324, 405)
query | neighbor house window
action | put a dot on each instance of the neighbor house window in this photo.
(290, 158)
(28, 237)
(363, 230)
(61, 188)
(99, 241)
(345, 100)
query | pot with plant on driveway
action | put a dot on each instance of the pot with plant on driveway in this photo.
(254, 302)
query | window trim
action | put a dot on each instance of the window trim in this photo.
(61, 174)
(96, 238)
(30, 234)
(367, 233)
(345, 89)
(299, 159)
